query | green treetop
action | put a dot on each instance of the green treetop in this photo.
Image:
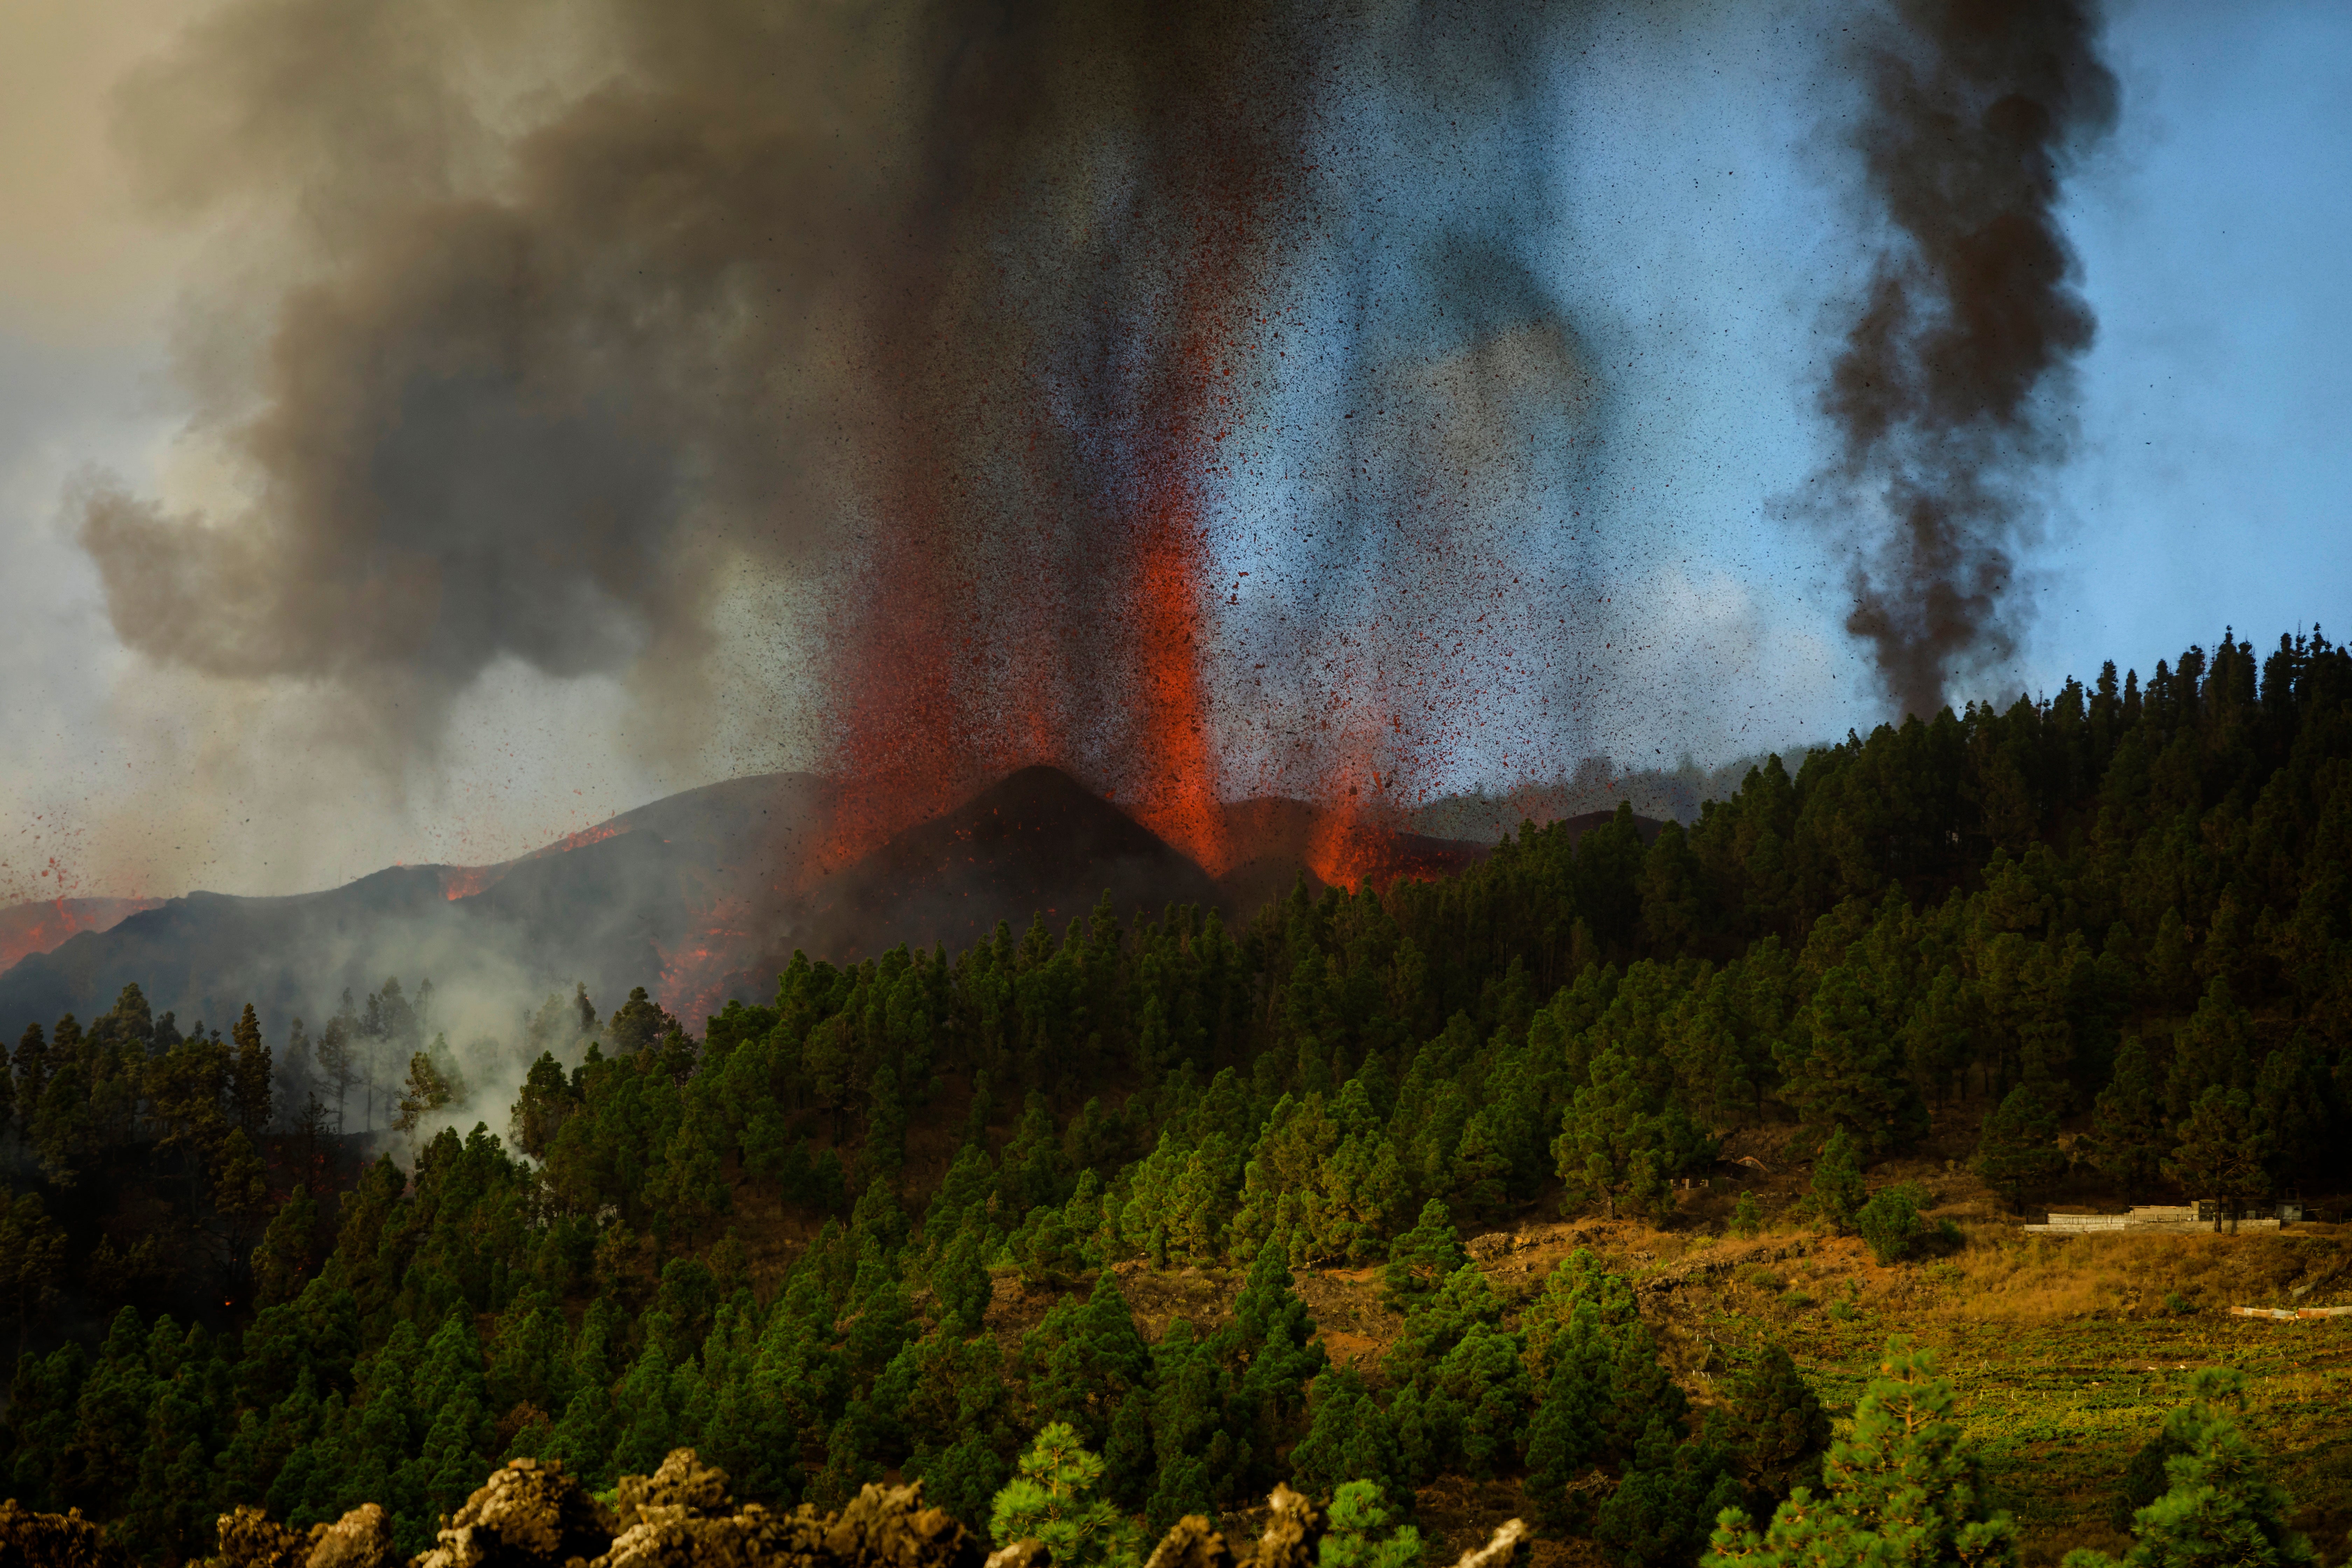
(1901, 1493)
(2223, 1509)
(1053, 1501)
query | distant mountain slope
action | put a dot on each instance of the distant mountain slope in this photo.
(698, 897)
(1035, 842)
(609, 907)
(26, 928)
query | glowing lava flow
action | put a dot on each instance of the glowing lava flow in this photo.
(464, 881)
(28, 929)
(694, 975)
(1177, 794)
(582, 839)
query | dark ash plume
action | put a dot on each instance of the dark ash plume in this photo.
(524, 334)
(1944, 395)
(549, 323)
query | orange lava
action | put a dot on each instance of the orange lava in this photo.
(694, 976)
(1036, 586)
(464, 881)
(1176, 795)
(1343, 850)
(582, 839)
(28, 929)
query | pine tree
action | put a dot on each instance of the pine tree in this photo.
(1838, 1190)
(964, 1477)
(2018, 1149)
(1889, 1222)
(1627, 1131)
(1902, 1491)
(2211, 1050)
(1362, 1532)
(1852, 1070)
(1421, 1260)
(1087, 1355)
(2222, 1508)
(1778, 1424)
(1053, 1501)
(250, 1085)
(2127, 1120)
(1352, 1438)
(2223, 1152)
(425, 1091)
(240, 1193)
(1605, 1384)
(32, 1259)
(1667, 1499)
(961, 1278)
(1196, 1446)
(32, 1066)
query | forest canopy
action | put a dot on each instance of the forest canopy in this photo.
(2102, 937)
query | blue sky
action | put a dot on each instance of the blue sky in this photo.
(1694, 226)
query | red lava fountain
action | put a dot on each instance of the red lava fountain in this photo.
(1177, 797)
(1036, 586)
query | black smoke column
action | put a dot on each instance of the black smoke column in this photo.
(1944, 394)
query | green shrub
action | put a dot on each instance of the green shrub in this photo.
(1837, 1180)
(1890, 1223)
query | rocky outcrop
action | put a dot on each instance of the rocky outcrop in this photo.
(680, 1517)
(531, 1514)
(1189, 1543)
(361, 1539)
(1293, 1532)
(1502, 1548)
(29, 1539)
(250, 1539)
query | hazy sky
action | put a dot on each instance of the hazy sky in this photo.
(1700, 250)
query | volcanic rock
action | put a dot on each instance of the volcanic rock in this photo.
(888, 1527)
(29, 1539)
(1293, 1534)
(1191, 1543)
(361, 1539)
(249, 1539)
(1502, 1548)
(529, 1513)
(1037, 842)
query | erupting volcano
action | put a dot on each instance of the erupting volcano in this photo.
(1187, 400)
(706, 896)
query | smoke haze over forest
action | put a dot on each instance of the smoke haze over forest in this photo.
(582, 402)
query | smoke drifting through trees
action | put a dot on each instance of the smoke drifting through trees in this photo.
(575, 321)
(1943, 393)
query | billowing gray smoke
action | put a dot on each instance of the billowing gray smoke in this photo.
(1947, 394)
(527, 325)
(533, 330)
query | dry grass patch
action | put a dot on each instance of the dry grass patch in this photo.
(2007, 1275)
